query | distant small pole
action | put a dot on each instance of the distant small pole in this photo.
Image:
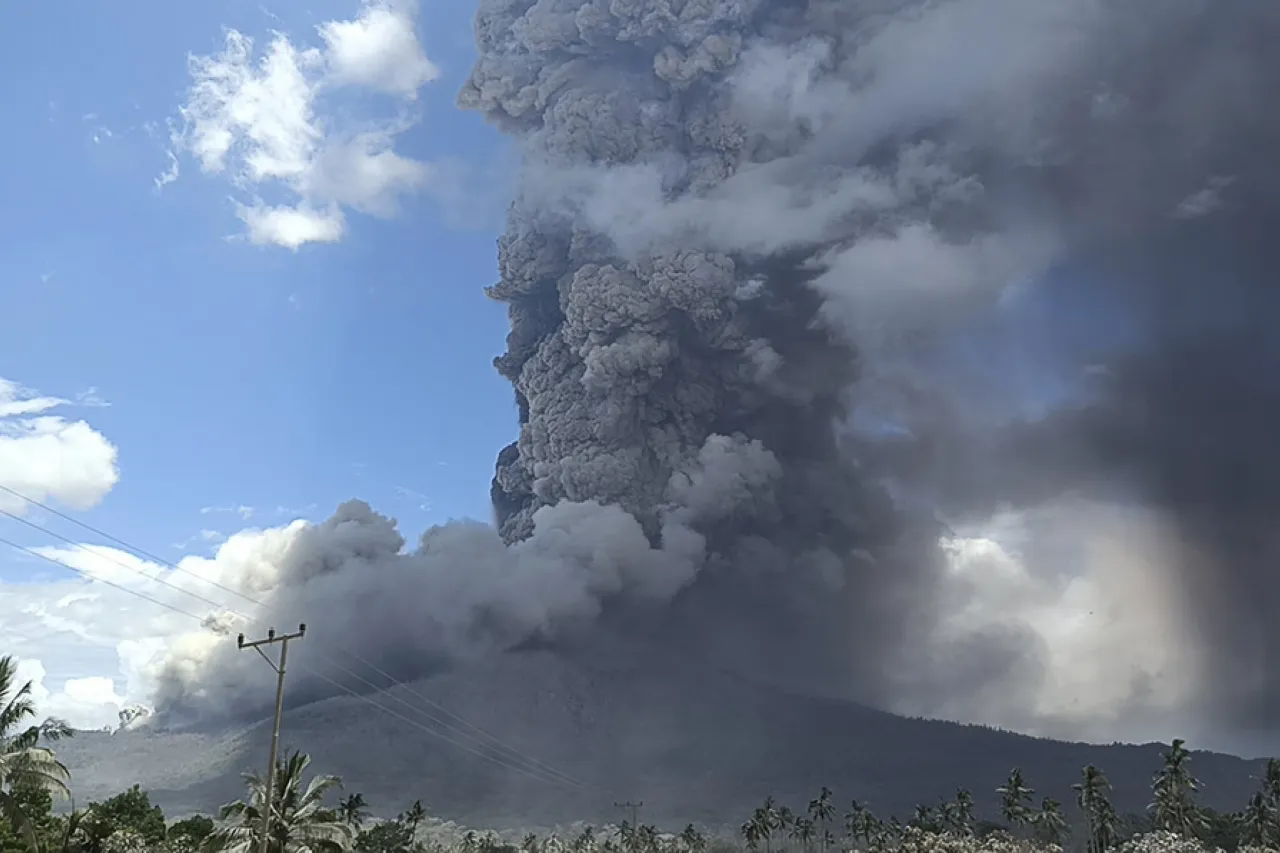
(257, 645)
(635, 812)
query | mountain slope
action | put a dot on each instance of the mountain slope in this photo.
(693, 744)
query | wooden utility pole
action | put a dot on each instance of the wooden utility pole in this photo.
(257, 645)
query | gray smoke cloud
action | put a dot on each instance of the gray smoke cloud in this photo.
(801, 291)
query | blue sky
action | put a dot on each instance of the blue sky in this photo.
(240, 374)
(243, 374)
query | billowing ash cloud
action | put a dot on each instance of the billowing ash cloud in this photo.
(845, 330)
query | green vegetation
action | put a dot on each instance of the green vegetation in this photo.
(304, 822)
(28, 769)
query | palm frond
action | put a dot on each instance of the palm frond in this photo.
(300, 821)
(18, 704)
(35, 766)
(56, 729)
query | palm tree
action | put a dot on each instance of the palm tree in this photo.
(784, 822)
(23, 761)
(1108, 823)
(770, 820)
(1271, 796)
(947, 818)
(354, 810)
(924, 818)
(692, 840)
(752, 832)
(802, 830)
(300, 822)
(647, 838)
(860, 823)
(1174, 788)
(584, 841)
(627, 835)
(1257, 822)
(1014, 797)
(964, 812)
(1049, 824)
(65, 842)
(1100, 815)
(415, 816)
(1271, 782)
(821, 811)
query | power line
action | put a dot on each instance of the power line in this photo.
(91, 577)
(481, 736)
(482, 733)
(428, 730)
(141, 553)
(122, 564)
(545, 769)
(419, 725)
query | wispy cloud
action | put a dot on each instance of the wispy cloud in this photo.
(206, 536)
(244, 511)
(1205, 201)
(170, 174)
(295, 512)
(261, 121)
(90, 398)
(16, 400)
(421, 501)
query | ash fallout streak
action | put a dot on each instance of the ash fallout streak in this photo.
(910, 351)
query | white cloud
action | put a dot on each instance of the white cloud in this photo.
(103, 641)
(263, 122)
(291, 227)
(379, 50)
(103, 563)
(73, 637)
(366, 174)
(45, 456)
(16, 400)
(85, 703)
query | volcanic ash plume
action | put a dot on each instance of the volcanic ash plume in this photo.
(814, 301)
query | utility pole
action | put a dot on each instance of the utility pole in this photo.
(635, 813)
(257, 645)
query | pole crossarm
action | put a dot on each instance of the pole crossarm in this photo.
(272, 637)
(634, 808)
